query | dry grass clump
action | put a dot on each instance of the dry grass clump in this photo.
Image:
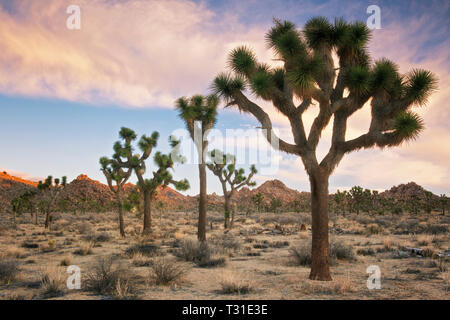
(374, 228)
(146, 249)
(84, 227)
(85, 249)
(14, 252)
(235, 283)
(98, 237)
(341, 251)
(166, 272)
(200, 253)
(139, 260)
(52, 283)
(9, 271)
(338, 286)
(301, 254)
(107, 278)
(66, 261)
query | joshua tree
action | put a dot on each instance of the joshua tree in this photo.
(161, 177)
(224, 167)
(116, 177)
(339, 198)
(357, 194)
(443, 200)
(49, 190)
(308, 73)
(275, 204)
(428, 201)
(258, 200)
(199, 113)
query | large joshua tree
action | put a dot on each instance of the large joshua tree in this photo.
(116, 178)
(161, 177)
(308, 77)
(231, 178)
(199, 113)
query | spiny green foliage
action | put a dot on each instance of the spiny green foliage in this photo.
(198, 108)
(124, 158)
(224, 166)
(408, 125)
(310, 72)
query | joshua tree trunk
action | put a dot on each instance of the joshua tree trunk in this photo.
(36, 219)
(227, 207)
(320, 267)
(147, 213)
(202, 202)
(47, 219)
(120, 211)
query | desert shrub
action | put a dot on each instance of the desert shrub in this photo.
(228, 242)
(14, 252)
(139, 260)
(9, 270)
(212, 262)
(52, 283)
(84, 227)
(108, 279)
(436, 229)
(279, 244)
(397, 210)
(29, 245)
(165, 272)
(366, 252)
(301, 254)
(341, 251)
(98, 237)
(234, 283)
(84, 249)
(66, 261)
(194, 251)
(146, 249)
(374, 228)
(200, 253)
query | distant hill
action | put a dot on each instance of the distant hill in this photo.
(86, 189)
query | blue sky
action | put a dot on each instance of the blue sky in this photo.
(64, 95)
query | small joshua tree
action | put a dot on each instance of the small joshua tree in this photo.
(161, 177)
(339, 199)
(224, 167)
(49, 191)
(199, 113)
(308, 77)
(258, 200)
(116, 177)
(357, 194)
(443, 199)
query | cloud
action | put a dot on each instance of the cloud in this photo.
(131, 53)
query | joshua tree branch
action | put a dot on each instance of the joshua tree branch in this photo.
(266, 124)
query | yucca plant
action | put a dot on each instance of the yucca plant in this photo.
(308, 74)
(199, 114)
(148, 187)
(231, 178)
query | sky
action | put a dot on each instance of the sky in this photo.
(65, 94)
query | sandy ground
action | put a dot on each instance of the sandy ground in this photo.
(257, 253)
